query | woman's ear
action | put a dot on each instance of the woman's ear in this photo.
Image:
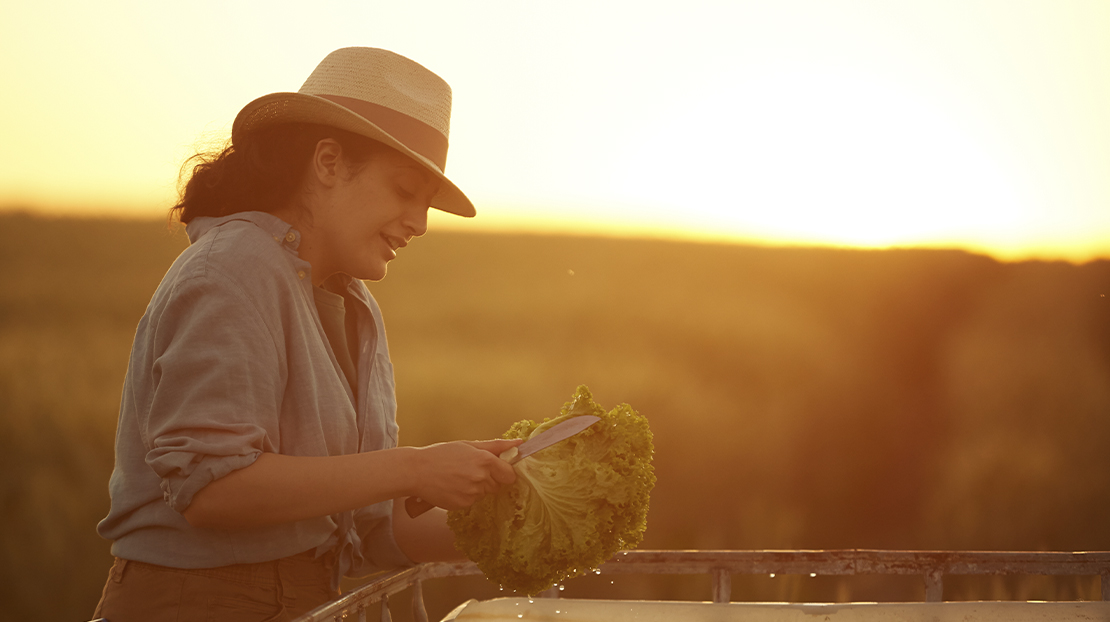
(327, 162)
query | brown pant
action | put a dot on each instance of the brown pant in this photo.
(270, 591)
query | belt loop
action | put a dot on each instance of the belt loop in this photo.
(117, 569)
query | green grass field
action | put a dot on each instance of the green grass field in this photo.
(800, 398)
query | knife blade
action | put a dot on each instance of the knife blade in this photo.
(549, 437)
(415, 506)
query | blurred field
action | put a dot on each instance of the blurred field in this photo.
(800, 398)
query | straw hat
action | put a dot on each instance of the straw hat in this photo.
(377, 94)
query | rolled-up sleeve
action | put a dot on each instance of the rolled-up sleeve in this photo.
(217, 379)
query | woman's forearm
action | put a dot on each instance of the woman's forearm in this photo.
(279, 489)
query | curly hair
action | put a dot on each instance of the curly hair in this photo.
(260, 172)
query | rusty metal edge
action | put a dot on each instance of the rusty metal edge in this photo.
(860, 561)
(930, 564)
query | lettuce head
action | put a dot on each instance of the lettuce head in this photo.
(573, 504)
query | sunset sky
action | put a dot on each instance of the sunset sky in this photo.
(977, 124)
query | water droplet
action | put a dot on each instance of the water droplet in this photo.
(520, 615)
(772, 575)
(813, 574)
(561, 588)
(597, 571)
(530, 601)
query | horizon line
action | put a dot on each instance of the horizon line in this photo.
(540, 226)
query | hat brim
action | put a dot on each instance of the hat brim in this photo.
(278, 108)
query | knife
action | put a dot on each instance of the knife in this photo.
(415, 506)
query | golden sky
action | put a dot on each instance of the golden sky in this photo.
(970, 123)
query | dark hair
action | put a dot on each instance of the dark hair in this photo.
(261, 171)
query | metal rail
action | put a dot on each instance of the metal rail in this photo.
(372, 599)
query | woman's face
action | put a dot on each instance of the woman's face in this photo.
(367, 215)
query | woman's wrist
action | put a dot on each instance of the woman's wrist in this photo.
(409, 466)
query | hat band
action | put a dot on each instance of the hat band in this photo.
(412, 133)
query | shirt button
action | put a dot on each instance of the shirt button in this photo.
(300, 274)
(289, 237)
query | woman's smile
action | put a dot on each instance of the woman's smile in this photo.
(394, 243)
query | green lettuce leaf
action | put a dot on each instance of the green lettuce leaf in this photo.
(573, 505)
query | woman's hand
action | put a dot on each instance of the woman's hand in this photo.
(454, 475)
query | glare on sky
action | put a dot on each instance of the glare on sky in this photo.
(972, 123)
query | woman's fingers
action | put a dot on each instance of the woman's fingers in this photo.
(503, 472)
(496, 446)
(455, 475)
(500, 471)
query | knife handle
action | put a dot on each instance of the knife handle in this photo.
(415, 506)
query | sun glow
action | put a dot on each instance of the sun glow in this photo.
(977, 124)
(797, 156)
(834, 157)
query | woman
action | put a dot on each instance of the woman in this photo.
(256, 458)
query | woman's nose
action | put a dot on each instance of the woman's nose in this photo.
(416, 221)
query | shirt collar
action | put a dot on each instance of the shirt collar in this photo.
(353, 286)
(278, 229)
(281, 231)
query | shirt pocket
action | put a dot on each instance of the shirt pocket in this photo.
(383, 415)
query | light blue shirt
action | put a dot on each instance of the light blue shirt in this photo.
(230, 361)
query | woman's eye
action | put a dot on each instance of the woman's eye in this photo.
(405, 193)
